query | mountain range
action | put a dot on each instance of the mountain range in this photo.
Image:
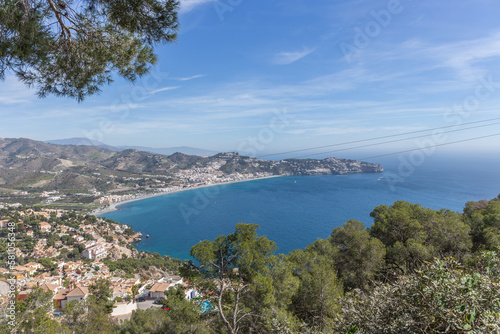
(165, 151)
(31, 165)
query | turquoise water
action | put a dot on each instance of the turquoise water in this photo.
(296, 210)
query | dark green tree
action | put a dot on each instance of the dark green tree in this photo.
(80, 248)
(47, 264)
(184, 314)
(135, 290)
(237, 267)
(359, 257)
(440, 297)
(32, 315)
(87, 316)
(68, 240)
(102, 292)
(150, 321)
(129, 232)
(157, 321)
(91, 219)
(483, 217)
(87, 236)
(414, 234)
(70, 48)
(51, 240)
(315, 301)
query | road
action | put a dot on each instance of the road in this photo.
(146, 304)
(141, 306)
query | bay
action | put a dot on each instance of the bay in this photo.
(296, 210)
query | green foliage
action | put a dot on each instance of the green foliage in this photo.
(47, 264)
(157, 321)
(88, 237)
(80, 247)
(133, 265)
(441, 297)
(151, 321)
(32, 315)
(70, 49)
(68, 240)
(180, 310)
(129, 232)
(127, 276)
(237, 266)
(315, 301)
(102, 292)
(254, 290)
(135, 290)
(87, 316)
(483, 217)
(89, 218)
(359, 257)
(413, 234)
(51, 240)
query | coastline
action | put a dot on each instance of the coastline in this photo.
(114, 206)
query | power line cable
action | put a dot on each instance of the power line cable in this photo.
(417, 149)
(376, 138)
(393, 141)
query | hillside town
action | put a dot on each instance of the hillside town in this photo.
(188, 179)
(66, 254)
(89, 178)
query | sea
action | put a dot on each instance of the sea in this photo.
(294, 211)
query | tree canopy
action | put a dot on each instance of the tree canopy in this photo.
(102, 292)
(315, 300)
(360, 256)
(72, 48)
(440, 297)
(414, 270)
(483, 217)
(238, 266)
(413, 234)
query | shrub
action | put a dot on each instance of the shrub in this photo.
(441, 297)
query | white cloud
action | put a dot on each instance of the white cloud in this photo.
(13, 91)
(121, 106)
(287, 58)
(327, 131)
(163, 89)
(189, 5)
(465, 58)
(191, 77)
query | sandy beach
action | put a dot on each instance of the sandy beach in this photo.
(114, 206)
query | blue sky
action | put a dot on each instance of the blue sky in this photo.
(271, 76)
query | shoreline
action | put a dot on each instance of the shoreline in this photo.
(114, 206)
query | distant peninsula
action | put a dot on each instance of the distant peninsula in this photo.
(87, 177)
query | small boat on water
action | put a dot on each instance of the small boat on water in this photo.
(147, 235)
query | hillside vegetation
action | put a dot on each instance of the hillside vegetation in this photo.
(415, 270)
(37, 166)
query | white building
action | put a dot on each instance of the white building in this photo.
(95, 252)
